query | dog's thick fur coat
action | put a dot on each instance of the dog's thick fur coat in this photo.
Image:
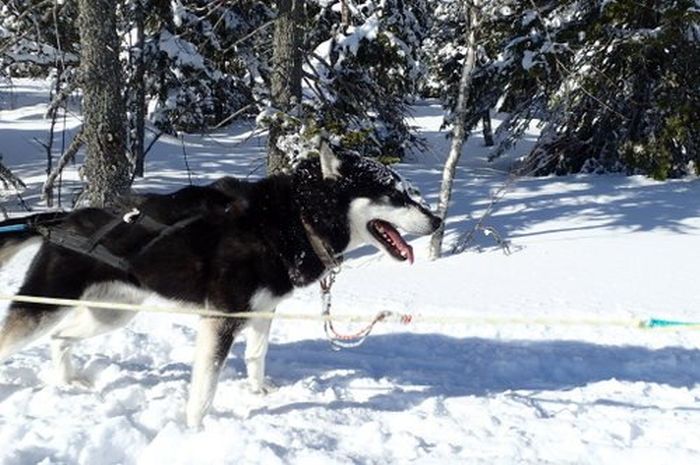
(238, 246)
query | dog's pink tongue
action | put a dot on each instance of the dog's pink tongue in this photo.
(401, 244)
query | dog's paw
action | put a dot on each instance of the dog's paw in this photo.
(74, 381)
(194, 427)
(262, 388)
(79, 382)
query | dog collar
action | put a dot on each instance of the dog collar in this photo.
(322, 250)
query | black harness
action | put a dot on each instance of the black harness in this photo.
(48, 225)
(89, 246)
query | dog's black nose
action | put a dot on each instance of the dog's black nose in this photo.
(436, 222)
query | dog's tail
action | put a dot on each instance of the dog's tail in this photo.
(18, 233)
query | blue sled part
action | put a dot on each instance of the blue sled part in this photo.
(13, 228)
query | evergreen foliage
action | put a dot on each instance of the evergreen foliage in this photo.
(614, 84)
(362, 76)
(200, 65)
(199, 68)
(37, 36)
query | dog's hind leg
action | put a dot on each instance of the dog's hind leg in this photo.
(214, 338)
(86, 322)
(25, 323)
(51, 274)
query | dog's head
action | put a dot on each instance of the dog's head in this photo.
(378, 203)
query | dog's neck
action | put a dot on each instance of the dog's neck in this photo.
(298, 239)
(324, 252)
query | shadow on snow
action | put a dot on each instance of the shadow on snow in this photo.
(441, 366)
(605, 202)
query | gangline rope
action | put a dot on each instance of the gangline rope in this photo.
(385, 316)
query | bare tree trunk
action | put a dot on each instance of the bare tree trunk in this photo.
(286, 74)
(459, 130)
(140, 91)
(106, 165)
(344, 14)
(488, 131)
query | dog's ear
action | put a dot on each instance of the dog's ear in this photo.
(330, 163)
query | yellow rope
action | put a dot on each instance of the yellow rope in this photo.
(434, 319)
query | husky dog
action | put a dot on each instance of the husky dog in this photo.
(230, 246)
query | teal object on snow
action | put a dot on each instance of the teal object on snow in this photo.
(13, 228)
(659, 323)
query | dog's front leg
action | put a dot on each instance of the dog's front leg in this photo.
(257, 342)
(214, 339)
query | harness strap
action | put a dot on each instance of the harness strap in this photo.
(135, 216)
(168, 230)
(77, 243)
(100, 234)
(91, 246)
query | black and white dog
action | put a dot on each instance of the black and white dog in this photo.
(230, 246)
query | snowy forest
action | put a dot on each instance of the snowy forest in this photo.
(612, 83)
(558, 140)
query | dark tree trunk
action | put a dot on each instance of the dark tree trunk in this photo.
(488, 131)
(106, 165)
(139, 91)
(286, 74)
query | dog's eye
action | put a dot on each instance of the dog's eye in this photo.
(398, 198)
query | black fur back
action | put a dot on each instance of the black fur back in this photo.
(242, 237)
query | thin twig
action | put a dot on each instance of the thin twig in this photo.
(61, 97)
(62, 162)
(184, 154)
(234, 115)
(250, 34)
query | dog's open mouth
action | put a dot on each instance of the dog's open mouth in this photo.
(392, 241)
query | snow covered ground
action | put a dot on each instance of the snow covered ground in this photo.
(584, 246)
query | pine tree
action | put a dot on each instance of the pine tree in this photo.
(630, 99)
(35, 37)
(362, 72)
(614, 84)
(201, 63)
